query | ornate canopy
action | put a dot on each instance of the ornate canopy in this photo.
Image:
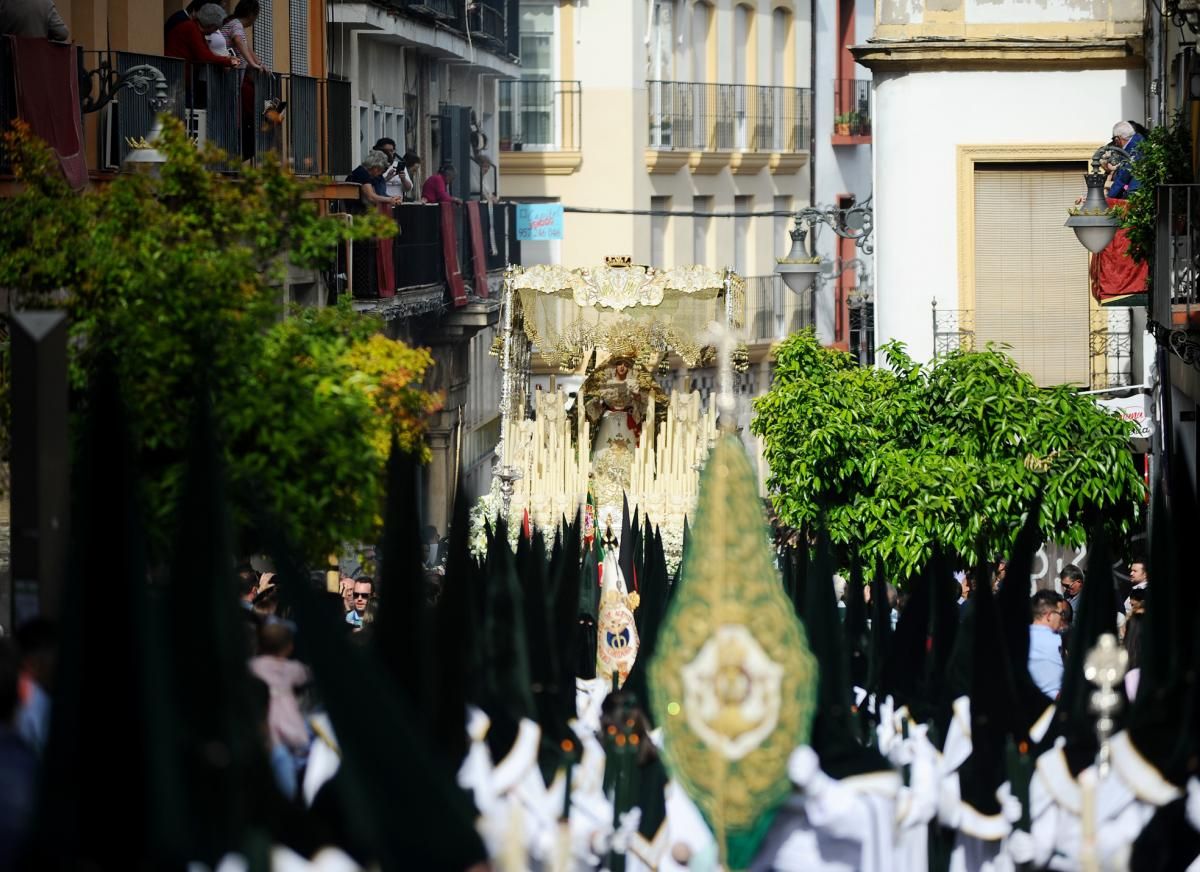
(631, 310)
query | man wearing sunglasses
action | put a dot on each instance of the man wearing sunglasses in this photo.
(364, 589)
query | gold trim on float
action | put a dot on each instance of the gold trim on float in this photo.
(665, 160)
(541, 163)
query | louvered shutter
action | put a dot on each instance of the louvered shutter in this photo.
(1031, 275)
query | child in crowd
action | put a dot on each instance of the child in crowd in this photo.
(282, 676)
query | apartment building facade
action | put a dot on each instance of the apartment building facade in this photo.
(985, 118)
(340, 75)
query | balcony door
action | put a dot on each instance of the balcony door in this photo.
(1031, 276)
(529, 110)
(738, 95)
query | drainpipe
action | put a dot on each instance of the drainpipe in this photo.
(812, 121)
(1156, 50)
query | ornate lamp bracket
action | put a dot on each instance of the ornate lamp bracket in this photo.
(144, 80)
(855, 222)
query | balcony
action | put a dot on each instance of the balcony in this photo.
(493, 24)
(1174, 303)
(540, 126)
(1110, 347)
(438, 258)
(851, 111)
(773, 312)
(712, 126)
(488, 20)
(242, 119)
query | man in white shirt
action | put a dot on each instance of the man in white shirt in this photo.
(1045, 645)
(1138, 578)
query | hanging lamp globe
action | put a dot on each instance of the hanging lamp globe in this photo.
(1093, 222)
(799, 269)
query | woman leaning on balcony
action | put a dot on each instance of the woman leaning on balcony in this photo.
(235, 26)
(369, 176)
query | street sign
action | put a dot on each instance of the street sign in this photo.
(1131, 409)
(538, 222)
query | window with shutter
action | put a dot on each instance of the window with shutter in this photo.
(264, 36)
(1031, 278)
(298, 30)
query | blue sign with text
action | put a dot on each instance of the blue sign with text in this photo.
(539, 221)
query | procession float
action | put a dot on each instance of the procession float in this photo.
(623, 420)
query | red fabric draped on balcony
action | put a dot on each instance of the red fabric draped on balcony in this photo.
(454, 279)
(1113, 272)
(47, 86)
(385, 264)
(478, 263)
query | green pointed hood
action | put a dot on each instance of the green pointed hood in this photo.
(224, 757)
(835, 730)
(651, 611)
(402, 632)
(855, 625)
(506, 656)
(1096, 615)
(457, 660)
(112, 690)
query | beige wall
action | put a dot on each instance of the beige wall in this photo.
(1012, 19)
(605, 50)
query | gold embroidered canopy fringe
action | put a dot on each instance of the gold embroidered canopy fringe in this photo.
(635, 311)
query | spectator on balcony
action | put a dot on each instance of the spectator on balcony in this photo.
(437, 187)
(485, 189)
(234, 29)
(187, 38)
(1124, 182)
(187, 13)
(36, 18)
(217, 43)
(369, 177)
(395, 178)
(412, 163)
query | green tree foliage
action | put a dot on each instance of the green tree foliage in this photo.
(176, 278)
(894, 460)
(1164, 158)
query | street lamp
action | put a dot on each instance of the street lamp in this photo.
(800, 269)
(1093, 222)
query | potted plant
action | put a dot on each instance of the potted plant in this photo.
(841, 124)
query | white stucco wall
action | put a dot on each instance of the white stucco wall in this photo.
(920, 119)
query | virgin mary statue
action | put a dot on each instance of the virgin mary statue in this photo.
(616, 408)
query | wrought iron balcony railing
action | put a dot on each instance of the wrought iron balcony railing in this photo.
(699, 116)
(421, 255)
(772, 311)
(540, 115)
(1110, 342)
(851, 107)
(1175, 298)
(489, 19)
(953, 330)
(303, 121)
(496, 23)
